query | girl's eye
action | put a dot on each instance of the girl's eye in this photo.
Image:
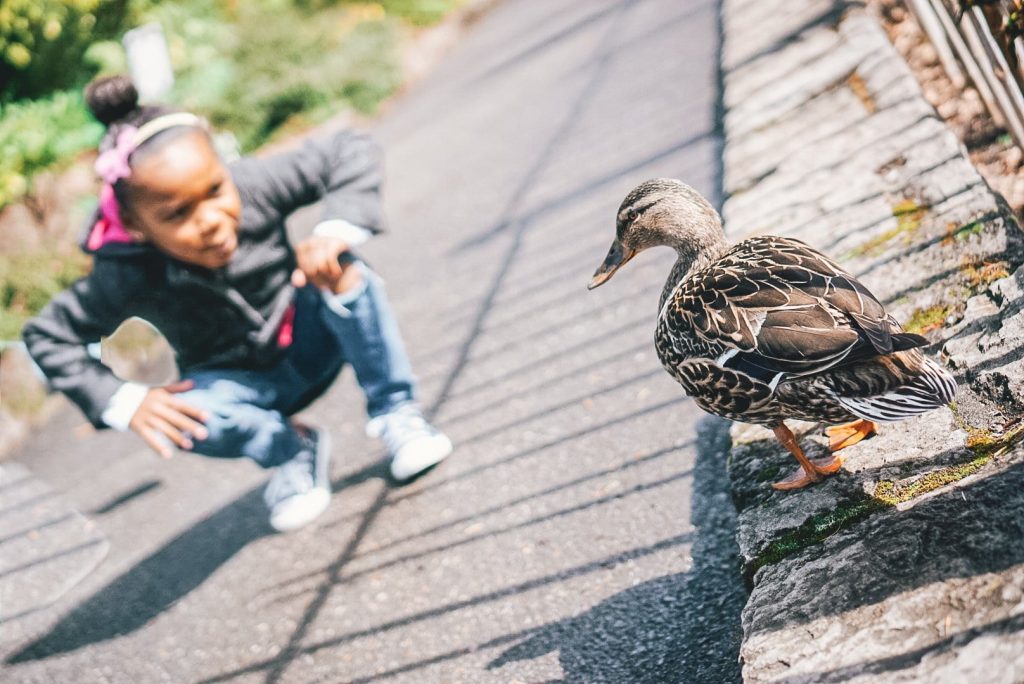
(178, 214)
(215, 190)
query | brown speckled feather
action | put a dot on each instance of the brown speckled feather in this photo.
(778, 307)
(770, 328)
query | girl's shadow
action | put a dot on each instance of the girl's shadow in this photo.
(157, 582)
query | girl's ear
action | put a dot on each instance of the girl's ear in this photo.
(128, 220)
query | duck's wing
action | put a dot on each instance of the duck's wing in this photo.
(779, 307)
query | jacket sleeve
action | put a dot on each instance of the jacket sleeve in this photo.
(57, 340)
(345, 171)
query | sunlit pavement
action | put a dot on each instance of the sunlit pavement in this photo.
(581, 530)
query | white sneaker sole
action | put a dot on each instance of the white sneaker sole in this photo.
(417, 456)
(299, 510)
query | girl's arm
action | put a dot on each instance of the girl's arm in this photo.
(345, 171)
(57, 340)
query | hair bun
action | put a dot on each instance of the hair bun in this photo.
(111, 98)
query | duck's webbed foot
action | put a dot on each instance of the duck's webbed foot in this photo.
(811, 469)
(848, 434)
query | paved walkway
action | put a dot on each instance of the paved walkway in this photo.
(581, 530)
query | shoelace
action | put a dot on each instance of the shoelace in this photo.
(292, 477)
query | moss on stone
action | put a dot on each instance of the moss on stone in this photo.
(891, 492)
(927, 319)
(768, 473)
(815, 530)
(966, 231)
(978, 275)
(908, 214)
(983, 445)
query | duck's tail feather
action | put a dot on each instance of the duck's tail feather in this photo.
(934, 387)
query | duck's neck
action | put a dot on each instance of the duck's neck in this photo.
(689, 261)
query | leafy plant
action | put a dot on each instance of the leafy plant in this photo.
(41, 134)
(340, 61)
(42, 42)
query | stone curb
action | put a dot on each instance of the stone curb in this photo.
(908, 566)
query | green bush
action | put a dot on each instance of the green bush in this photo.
(42, 42)
(38, 135)
(254, 68)
(267, 77)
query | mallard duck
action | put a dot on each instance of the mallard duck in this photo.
(770, 329)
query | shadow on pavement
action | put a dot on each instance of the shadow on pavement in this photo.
(683, 627)
(155, 583)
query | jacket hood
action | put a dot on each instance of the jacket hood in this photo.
(99, 239)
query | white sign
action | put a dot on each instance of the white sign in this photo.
(149, 62)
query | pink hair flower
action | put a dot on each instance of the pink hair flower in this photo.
(112, 165)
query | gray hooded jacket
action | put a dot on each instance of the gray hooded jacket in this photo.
(224, 318)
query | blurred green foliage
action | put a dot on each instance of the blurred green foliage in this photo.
(39, 134)
(253, 67)
(43, 42)
(416, 12)
(259, 77)
(29, 280)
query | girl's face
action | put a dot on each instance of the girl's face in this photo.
(185, 203)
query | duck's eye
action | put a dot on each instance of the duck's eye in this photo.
(631, 214)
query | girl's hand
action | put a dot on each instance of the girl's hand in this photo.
(163, 419)
(317, 258)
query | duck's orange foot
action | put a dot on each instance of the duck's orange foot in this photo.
(820, 467)
(848, 434)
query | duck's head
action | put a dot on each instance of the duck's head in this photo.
(667, 212)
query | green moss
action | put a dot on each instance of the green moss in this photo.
(891, 492)
(815, 530)
(907, 207)
(928, 319)
(984, 446)
(964, 232)
(979, 275)
(768, 473)
(908, 214)
(986, 443)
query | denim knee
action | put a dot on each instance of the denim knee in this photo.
(238, 429)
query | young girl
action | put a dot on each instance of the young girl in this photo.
(260, 328)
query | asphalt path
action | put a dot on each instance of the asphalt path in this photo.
(581, 531)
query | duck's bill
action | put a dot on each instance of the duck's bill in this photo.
(617, 256)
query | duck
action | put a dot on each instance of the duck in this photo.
(770, 329)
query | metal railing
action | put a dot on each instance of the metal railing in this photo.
(984, 39)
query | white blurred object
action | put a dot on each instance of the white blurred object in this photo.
(149, 62)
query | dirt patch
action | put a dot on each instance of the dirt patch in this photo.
(990, 147)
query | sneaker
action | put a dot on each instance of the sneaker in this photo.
(413, 443)
(300, 489)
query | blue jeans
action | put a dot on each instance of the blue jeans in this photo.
(249, 408)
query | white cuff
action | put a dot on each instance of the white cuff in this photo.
(123, 405)
(343, 230)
